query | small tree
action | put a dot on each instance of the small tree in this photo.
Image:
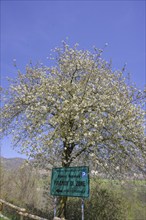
(20, 186)
(77, 109)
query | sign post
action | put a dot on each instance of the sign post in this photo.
(70, 182)
(55, 200)
(82, 207)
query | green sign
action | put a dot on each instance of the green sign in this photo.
(70, 181)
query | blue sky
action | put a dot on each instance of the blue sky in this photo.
(29, 29)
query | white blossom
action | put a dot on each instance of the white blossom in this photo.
(78, 105)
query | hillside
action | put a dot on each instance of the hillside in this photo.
(15, 163)
(11, 163)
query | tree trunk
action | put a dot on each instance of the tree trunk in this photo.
(61, 213)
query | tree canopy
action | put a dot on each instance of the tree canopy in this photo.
(77, 109)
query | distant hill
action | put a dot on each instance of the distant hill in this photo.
(11, 163)
(15, 163)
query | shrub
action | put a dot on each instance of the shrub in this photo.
(103, 204)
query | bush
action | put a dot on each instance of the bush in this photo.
(103, 204)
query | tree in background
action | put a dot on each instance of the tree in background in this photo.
(19, 186)
(76, 109)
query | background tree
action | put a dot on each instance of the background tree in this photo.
(77, 109)
(19, 186)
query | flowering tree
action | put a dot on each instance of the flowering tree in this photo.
(78, 109)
